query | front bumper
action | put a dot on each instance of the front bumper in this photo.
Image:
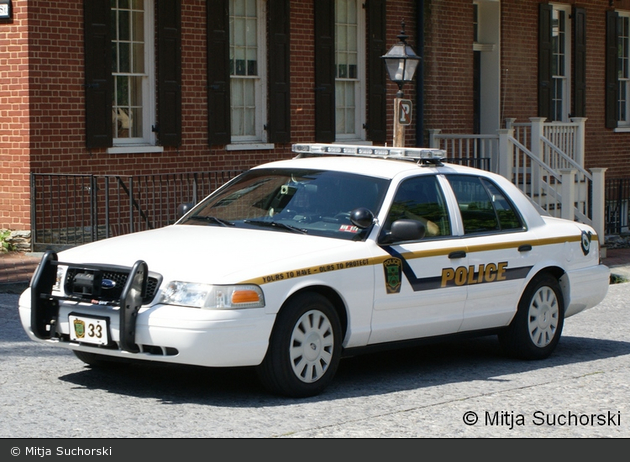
(165, 333)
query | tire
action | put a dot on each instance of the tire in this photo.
(304, 348)
(536, 328)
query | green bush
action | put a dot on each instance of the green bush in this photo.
(5, 241)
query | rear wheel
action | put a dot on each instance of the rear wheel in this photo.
(536, 328)
(304, 349)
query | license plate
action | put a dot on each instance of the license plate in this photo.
(88, 330)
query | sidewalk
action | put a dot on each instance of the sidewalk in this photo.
(618, 260)
(16, 268)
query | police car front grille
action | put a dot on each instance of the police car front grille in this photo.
(110, 291)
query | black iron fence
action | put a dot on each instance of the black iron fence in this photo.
(617, 201)
(69, 210)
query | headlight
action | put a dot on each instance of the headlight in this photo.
(213, 297)
(61, 272)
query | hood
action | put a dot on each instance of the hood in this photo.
(209, 253)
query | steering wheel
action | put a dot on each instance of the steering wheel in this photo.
(343, 216)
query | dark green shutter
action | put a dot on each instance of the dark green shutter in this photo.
(279, 120)
(612, 69)
(219, 131)
(377, 101)
(324, 71)
(98, 74)
(545, 56)
(169, 72)
(579, 62)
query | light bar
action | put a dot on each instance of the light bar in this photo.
(371, 151)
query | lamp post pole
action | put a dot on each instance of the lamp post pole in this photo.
(401, 63)
(399, 118)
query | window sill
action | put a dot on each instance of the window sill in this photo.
(135, 149)
(622, 130)
(249, 146)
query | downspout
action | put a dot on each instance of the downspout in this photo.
(420, 74)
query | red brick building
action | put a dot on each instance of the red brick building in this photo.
(130, 87)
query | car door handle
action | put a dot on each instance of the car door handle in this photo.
(457, 254)
(524, 248)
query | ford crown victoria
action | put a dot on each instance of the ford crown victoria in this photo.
(340, 250)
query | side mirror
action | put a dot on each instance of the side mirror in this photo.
(361, 217)
(404, 230)
(183, 209)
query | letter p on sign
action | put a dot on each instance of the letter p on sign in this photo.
(404, 112)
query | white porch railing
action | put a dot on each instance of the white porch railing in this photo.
(545, 160)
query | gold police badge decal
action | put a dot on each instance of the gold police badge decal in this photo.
(393, 271)
(79, 328)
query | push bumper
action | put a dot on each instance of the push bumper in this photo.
(165, 333)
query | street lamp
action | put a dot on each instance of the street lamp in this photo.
(401, 63)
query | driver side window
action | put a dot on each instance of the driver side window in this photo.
(421, 199)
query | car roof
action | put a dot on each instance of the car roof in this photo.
(390, 168)
(376, 167)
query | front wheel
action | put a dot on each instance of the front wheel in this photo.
(304, 349)
(536, 328)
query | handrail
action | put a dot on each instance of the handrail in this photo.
(566, 158)
(532, 157)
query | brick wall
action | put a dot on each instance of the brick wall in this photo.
(58, 139)
(42, 95)
(604, 148)
(397, 12)
(14, 120)
(302, 71)
(51, 139)
(448, 65)
(519, 36)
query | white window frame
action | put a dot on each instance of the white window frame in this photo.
(360, 91)
(564, 80)
(148, 138)
(259, 139)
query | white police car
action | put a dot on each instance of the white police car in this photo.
(296, 263)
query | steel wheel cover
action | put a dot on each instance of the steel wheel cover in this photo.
(543, 317)
(311, 346)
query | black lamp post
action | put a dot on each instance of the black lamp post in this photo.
(401, 63)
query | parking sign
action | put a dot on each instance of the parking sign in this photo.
(404, 111)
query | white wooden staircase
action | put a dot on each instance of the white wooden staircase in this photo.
(545, 160)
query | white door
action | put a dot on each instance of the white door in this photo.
(416, 294)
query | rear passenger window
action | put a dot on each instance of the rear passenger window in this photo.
(483, 206)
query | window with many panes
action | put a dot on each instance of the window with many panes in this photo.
(247, 68)
(349, 69)
(132, 63)
(560, 65)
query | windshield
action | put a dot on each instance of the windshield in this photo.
(313, 202)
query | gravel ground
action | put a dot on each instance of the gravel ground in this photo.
(456, 389)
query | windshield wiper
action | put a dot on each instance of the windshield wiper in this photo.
(212, 219)
(276, 224)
